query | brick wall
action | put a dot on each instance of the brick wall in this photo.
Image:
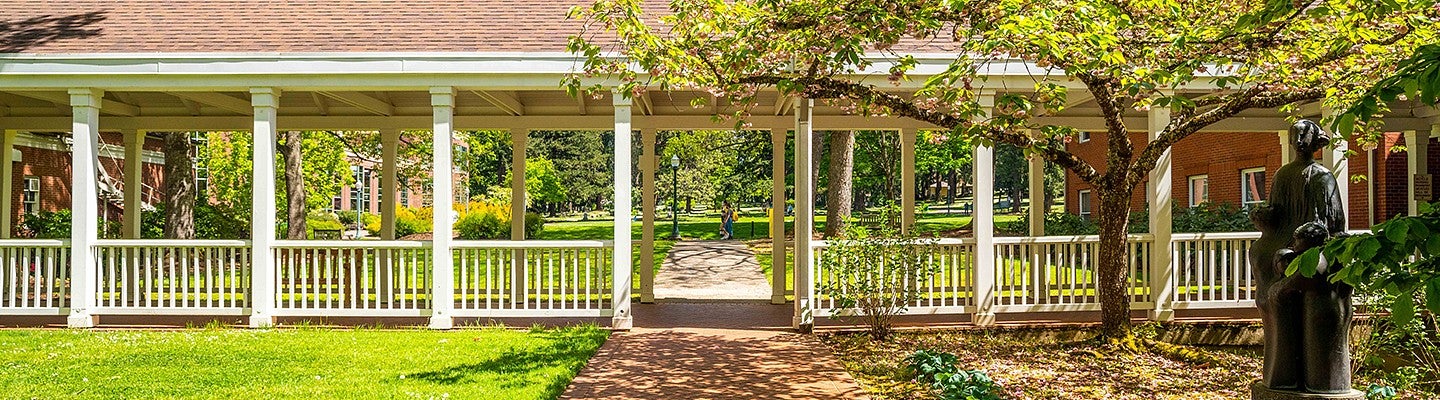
(52, 167)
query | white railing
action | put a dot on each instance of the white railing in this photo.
(205, 277)
(35, 278)
(1058, 273)
(950, 290)
(1212, 270)
(533, 277)
(352, 278)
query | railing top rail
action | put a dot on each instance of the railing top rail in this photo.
(34, 242)
(940, 242)
(171, 243)
(350, 244)
(1215, 236)
(531, 244)
(1067, 239)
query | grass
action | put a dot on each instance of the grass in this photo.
(308, 363)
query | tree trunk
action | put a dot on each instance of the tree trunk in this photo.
(295, 208)
(840, 186)
(1113, 275)
(954, 187)
(179, 186)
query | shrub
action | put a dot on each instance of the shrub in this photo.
(211, 222)
(408, 221)
(47, 225)
(534, 224)
(490, 220)
(939, 370)
(876, 273)
(1206, 217)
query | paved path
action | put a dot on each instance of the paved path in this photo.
(711, 270)
(741, 349)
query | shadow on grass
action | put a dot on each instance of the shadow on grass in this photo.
(517, 368)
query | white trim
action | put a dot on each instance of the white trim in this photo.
(1084, 198)
(1244, 189)
(31, 140)
(1190, 189)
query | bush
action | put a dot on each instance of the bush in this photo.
(408, 221)
(47, 225)
(939, 370)
(534, 224)
(491, 221)
(877, 272)
(211, 222)
(1206, 217)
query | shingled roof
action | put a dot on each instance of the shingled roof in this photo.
(284, 26)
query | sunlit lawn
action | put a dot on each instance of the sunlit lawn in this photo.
(301, 363)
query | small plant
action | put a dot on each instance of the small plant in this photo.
(875, 274)
(939, 369)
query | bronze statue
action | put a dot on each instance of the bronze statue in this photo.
(1306, 320)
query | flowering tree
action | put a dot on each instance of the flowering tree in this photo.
(1128, 54)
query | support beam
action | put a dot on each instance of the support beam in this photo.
(648, 167)
(442, 297)
(506, 101)
(320, 103)
(111, 107)
(646, 106)
(519, 140)
(984, 223)
(1158, 195)
(1417, 150)
(7, 183)
(266, 103)
(804, 319)
(84, 204)
(623, 212)
(907, 179)
(389, 181)
(1037, 194)
(364, 102)
(134, 182)
(777, 215)
(216, 100)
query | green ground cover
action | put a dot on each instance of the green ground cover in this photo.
(293, 363)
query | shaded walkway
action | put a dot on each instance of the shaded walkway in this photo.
(713, 351)
(711, 270)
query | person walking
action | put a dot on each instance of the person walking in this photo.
(727, 222)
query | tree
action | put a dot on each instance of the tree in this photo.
(291, 150)
(1130, 55)
(179, 186)
(542, 182)
(325, 168)
(840, 189)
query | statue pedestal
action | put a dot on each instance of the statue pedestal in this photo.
(1258, 391)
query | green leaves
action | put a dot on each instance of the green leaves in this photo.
(1402, 310)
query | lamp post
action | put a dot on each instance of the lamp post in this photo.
(674, 197)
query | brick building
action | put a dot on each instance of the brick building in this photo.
(1234, 168)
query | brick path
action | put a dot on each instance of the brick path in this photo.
(712, 350)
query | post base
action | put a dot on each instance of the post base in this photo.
(1258, 391)
(622, 323)
(1162, 315)
(647, 299)
(82, 320)
(982, 319)
(258, 321)
(777, 300)
(441, 322)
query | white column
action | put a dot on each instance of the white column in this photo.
(265, 101)
(648, 164)
(1339, 165)
(7, 182)
(804, 318)
(1417, 147)
(1037, 195)
(84, 205)
(389, 181)
(519, 140)
(777, 215)
(1287, 147)
(623, 211)
(984, 223)
(907, 179)
(134, 183)
(442, 295)
(1159, 196)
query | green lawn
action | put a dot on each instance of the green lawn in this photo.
(300, 363)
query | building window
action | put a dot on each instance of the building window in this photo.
(30, 197)
(1084, 136)
(1199, 189)
(1084, 201)
(202, 164)
(360, 192)
(1252, 186)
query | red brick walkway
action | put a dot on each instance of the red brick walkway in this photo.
(713, 351)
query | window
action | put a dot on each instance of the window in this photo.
(1084, 201)
(30, 197)
(1084, 136)
(1252, 186)
(1199, 189)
